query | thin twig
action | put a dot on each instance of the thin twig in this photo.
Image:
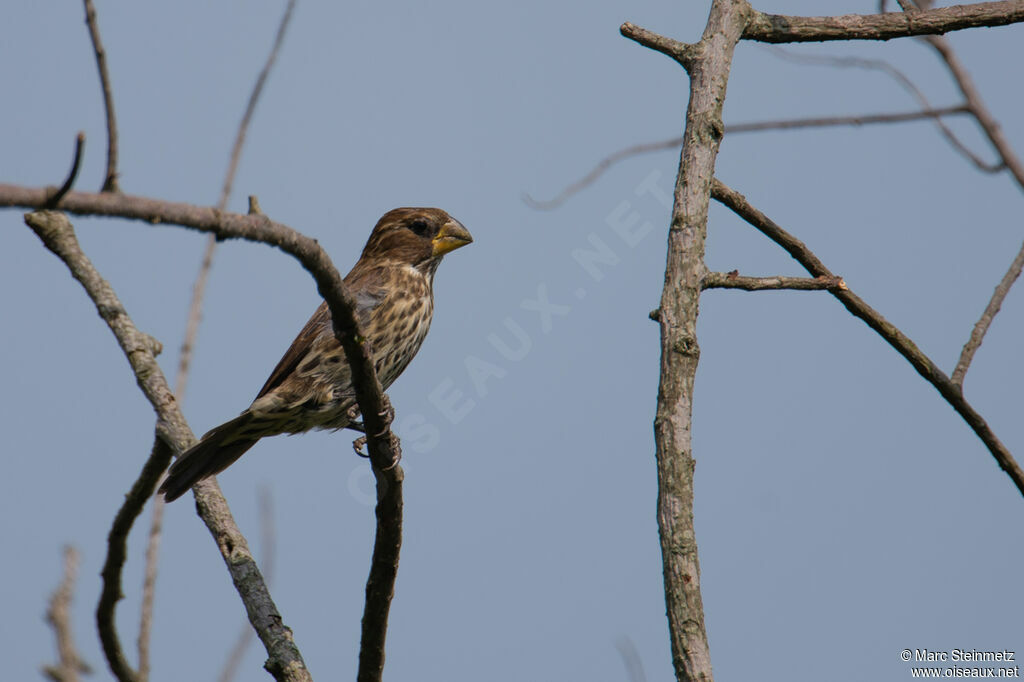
(268, 553)
(904, 82)
(733, 128)
(285, 661)
(195, 310)
(892, 335)
(982, 325)
(863, 119)
(599, 170)
(732, 280)
(110, 179)
(149, 584)
(76, 164)
(58, 615)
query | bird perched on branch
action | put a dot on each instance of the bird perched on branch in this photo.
(311, 387)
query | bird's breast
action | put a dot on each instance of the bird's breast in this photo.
(397, 329)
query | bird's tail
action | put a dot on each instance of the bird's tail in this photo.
(217, 450)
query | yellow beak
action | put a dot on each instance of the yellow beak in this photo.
(451, 236)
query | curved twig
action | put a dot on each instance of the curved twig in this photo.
(904, 82)
(599, 170)
(58, 615)
(892, 335)
(117, 543)
(604, 164)
(988, 123)
(76, 164)
(110, 178)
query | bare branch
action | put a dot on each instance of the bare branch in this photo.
(110, 178)
(773, 28)
(982, 325)
(709, 63)
(903, 81)
(380, 585)
(733, 280)
(76, 163)
(268, 554)
(285, 661)
(892, 335)
(58, 615)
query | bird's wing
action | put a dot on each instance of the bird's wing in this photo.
(300, 346)
(367, 300)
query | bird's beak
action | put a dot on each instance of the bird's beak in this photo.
(451, 236)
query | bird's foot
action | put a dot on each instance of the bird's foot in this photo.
(358, 444)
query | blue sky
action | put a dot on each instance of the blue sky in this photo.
(843, 511)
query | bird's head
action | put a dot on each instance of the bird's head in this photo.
(415, 236)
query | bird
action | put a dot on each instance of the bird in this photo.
(392, 284)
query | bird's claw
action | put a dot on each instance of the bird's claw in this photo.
(358, 444)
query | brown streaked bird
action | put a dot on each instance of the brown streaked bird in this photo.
(311, 387)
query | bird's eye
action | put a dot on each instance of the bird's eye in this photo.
(420, 227)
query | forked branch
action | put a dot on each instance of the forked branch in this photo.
(888, 331)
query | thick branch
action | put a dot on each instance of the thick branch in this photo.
(110, 177)
(732, 280)
(285, 661)
(892, 335)
(708, 64)
(268, 556)
(776, 28)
